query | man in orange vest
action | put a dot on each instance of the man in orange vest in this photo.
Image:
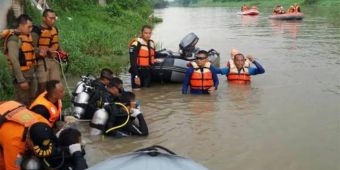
(244, 7)
(200, 76)
(19, 50)
(23, 133)
(142, 56)
(240, 73)
(22, 130)
(48, 104)
(47, 38)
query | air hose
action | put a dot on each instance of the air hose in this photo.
(123, 124)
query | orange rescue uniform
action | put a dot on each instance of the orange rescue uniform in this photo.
(53, 110)
(13, 131)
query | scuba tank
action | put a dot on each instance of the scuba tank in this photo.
(81, 96)
(30, 163)
(98, 122)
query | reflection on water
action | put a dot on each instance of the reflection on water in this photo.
(290, 27)
(286, 119)
(249, 20)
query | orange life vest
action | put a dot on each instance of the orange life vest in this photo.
(241, 77)
(146, 52)
(48, 38)
(53, 110)
(26, 51)
(296, 9)
(16, 112)
(15, 122)
(201, 80)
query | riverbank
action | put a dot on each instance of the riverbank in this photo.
(93, 35)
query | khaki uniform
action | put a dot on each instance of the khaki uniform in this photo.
(47, 66)
(47, 69)
(19, 76)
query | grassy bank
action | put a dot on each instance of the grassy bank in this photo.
(94, 36)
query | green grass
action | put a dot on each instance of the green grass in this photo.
(97, 37)
(6, 86)
(94, 36)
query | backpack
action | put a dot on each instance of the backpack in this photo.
(4, 35)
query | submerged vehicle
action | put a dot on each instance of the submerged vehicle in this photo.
(154, 157)
(287, 16)
(171, 66)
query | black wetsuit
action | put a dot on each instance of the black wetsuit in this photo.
(118, 116)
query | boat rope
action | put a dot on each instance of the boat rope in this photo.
(63, 73)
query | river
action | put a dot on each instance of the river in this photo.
(287, 119)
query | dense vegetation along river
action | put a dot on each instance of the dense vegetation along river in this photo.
(287, 119)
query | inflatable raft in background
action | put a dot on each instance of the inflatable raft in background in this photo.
(171, 66)
(287, 16)
(249, 12)
(151, 158)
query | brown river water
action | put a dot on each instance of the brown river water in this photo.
(287, 119)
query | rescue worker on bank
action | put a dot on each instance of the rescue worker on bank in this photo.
(142, 57)
(241, 74)
(23, 133)
(200, 76)
(47, 38)
(19, 51)
(22, 130)
(48, 104)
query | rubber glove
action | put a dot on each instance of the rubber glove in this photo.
(135, 112)
(74, 148)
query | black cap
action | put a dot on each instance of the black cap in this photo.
(41, 136)
(201, 53)
(69, 136)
